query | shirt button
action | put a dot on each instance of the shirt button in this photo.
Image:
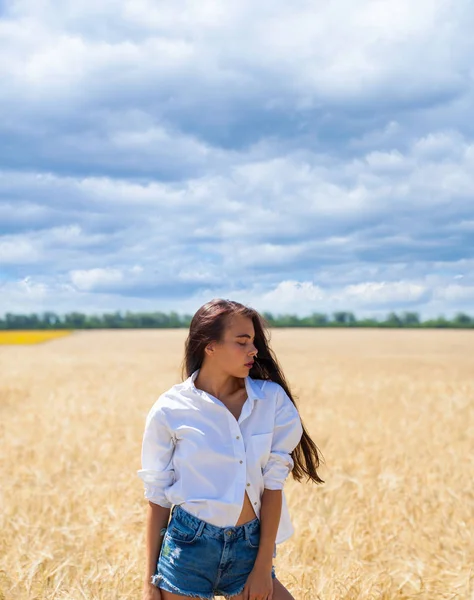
(255, 503)
(240, 461)
(248, 484)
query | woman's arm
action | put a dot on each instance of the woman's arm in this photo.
(270, 513)
(157, 518)
(287, 433)
(259, 582)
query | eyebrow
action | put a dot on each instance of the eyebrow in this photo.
(244, 335)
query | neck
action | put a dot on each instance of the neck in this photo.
(217, 383)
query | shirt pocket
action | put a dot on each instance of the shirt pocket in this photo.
(261, 446)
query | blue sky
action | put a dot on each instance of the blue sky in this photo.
(297, 157)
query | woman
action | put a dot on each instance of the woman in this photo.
(218, 448)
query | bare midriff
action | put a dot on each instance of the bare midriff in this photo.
(247, 513)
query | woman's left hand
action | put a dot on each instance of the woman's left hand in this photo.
(259, 584)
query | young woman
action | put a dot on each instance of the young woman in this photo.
(218, 448)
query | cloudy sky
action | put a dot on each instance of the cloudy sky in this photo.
(295, 156)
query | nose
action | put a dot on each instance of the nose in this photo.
(254, 351)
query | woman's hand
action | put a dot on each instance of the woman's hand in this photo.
(259, 584)
(151, 592)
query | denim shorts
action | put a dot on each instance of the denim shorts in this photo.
(201, 560)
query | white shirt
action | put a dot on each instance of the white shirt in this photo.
(196, 454)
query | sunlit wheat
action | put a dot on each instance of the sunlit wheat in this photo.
(392, 412)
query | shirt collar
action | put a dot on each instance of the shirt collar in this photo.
(253, 390)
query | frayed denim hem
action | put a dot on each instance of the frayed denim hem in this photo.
(227, 596)
(155, 580)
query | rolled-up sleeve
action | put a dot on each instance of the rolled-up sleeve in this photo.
(157, 470)
(286, 436)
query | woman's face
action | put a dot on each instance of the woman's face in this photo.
(233, 353)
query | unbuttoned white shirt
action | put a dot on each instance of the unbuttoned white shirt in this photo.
(195, 453)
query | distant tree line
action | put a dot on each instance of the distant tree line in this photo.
(172, 320)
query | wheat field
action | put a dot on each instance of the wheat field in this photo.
(392, 412)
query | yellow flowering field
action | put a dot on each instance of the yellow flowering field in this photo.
(392, 412)
(31, 336)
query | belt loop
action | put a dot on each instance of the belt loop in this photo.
(200, 528)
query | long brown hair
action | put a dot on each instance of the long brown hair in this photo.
(207, 325)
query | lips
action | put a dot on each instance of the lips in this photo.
(250, 364)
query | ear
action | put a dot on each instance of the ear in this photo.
(209, 349)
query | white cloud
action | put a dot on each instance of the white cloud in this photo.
(32, 290)
(287, 292)
(384, 293)
(291, 296)
(18, 251)
(87, 280)
(454, 293)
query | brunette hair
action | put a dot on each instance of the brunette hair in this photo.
(208, 324)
